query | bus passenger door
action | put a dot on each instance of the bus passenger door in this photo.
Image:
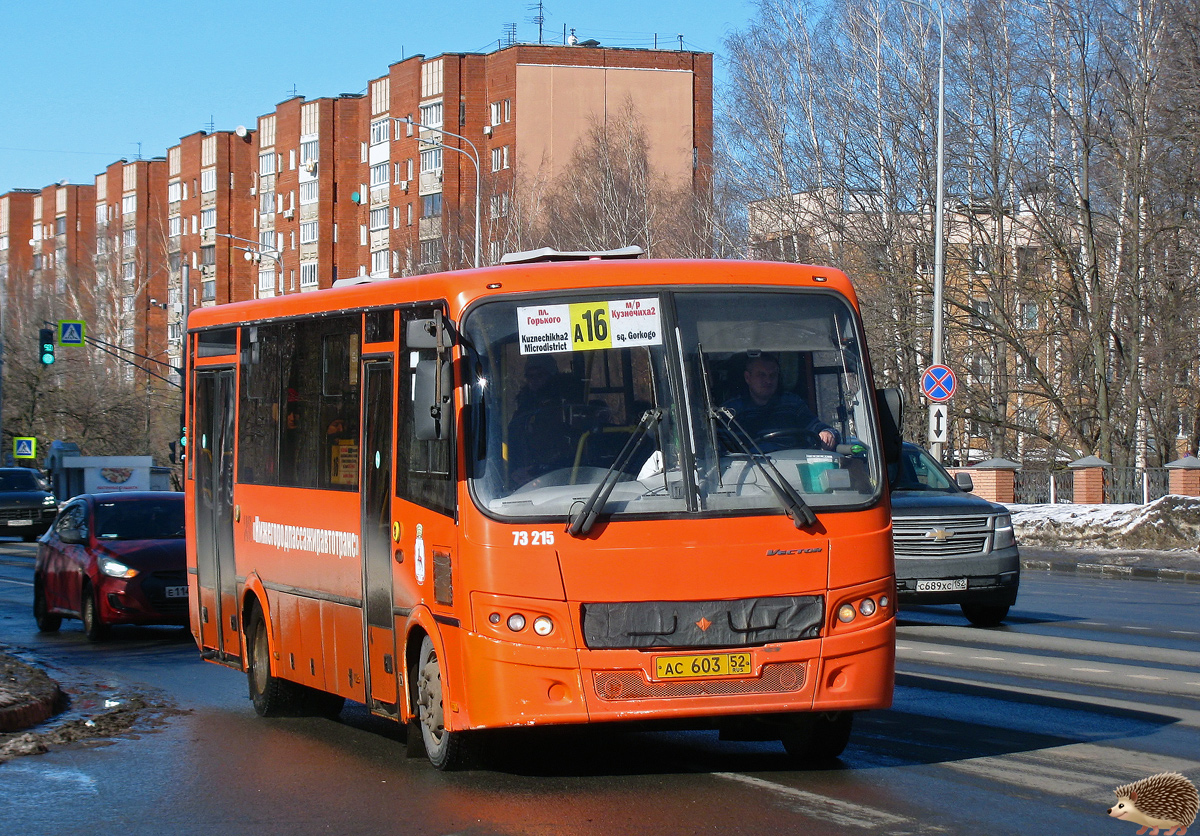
(381, 665)
(215, 572)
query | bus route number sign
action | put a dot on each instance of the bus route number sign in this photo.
(589, 326)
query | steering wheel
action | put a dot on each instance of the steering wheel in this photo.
(799, 437)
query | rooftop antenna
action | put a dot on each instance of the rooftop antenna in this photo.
(510, 34)
(539, 18)
(212, 125)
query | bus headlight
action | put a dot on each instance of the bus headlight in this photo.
(543, 626)
(867, 607)
(846, 613)
(516, 622)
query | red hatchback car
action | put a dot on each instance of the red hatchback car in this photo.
(113, 559)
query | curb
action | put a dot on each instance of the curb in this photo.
(27, 696)
(1108, 570)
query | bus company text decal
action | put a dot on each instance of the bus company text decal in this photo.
(303, 539)
(587, 326)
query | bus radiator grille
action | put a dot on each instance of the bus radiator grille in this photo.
(633, 685)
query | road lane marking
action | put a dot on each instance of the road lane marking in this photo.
(834, 810)
(1143, 676)
(1091, 670)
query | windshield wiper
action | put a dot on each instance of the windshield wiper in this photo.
(580, 522)
(795, 505)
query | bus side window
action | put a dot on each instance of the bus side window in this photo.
(425, 472)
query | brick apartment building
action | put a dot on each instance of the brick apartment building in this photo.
(375, 184)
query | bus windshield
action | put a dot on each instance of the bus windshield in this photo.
(695, 401)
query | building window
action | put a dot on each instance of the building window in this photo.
(60, 226)
(431, 159)
(208, 180)
(508, 110)
(129, 204)
(208, 218)
(208, 289)
(496, 159)
(208, 256)
(379, 131)
(266, 163)
(308, 192)
(176, 226)
(308, 232)
(379, 218)
(497, 113)
(431, 253)
(309, 151)
(431, 115)
(266, 282)
(129, 270)
(1029, 316)
(431, 205)
(379, 175)
(410, 214)
(499, 205)
(129, 238)
(379, 262)
(308, 274)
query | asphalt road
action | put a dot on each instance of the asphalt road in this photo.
(1027, 728)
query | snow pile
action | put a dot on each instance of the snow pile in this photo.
(1172, 522)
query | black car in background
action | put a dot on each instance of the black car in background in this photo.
(951, 547)
(27, 508)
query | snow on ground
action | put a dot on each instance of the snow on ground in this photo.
(1170, 523)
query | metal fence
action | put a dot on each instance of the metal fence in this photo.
(1123, 485)
(1134, 486)
(1044, 486)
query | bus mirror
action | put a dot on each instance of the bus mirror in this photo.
(891, 413)
(422, 333)
(431, 415)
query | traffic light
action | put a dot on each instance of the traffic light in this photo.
(46, 346)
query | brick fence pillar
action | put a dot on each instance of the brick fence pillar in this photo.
(1184, 476)
(1089, 479)
(995, 480)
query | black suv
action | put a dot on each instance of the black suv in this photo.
(951, 547)
(27, 508)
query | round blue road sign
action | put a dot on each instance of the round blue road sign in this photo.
(938, 383)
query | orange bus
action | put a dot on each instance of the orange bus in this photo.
(548, 493)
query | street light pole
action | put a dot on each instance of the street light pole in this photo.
(473, 157)
(939, 253)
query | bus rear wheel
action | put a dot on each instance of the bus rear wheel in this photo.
(272, 696)
(445, 749)
(815, 738)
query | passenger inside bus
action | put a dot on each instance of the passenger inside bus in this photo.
(772, 416)
(539, 434)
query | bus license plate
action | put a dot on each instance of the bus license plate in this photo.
(952, 585)
(710, 664)
(177, 591)
(20, 522)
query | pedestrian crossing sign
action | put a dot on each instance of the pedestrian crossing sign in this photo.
(71, 332)
(24, 448)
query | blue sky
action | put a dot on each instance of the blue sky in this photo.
(84, 82)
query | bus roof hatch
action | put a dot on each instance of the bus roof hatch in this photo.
(551, 254)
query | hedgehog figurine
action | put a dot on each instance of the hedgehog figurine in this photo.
(1167, 801)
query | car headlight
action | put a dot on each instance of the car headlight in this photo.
(115, 568)
(49, 500)
(1004, 539)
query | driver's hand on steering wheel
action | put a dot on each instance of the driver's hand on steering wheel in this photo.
(827, 439)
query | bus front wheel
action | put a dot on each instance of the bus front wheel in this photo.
(816, 738)
(445, 749)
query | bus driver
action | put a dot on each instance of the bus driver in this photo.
(764, 409)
